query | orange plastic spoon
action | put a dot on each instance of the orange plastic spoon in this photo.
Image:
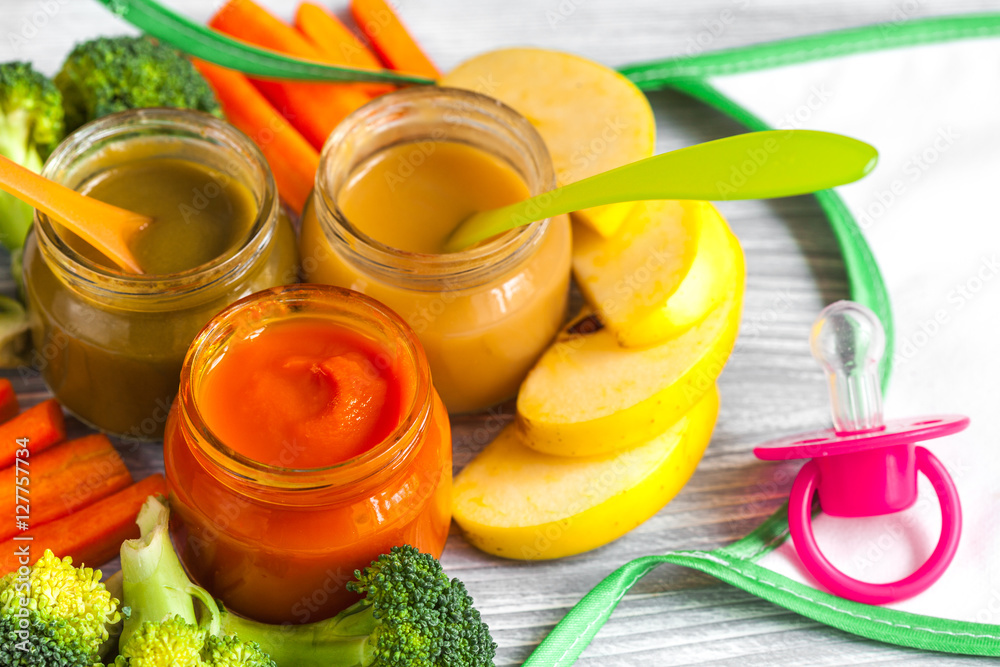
(108, 228)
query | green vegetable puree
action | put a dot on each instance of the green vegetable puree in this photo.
(199, 213)
(113, 357)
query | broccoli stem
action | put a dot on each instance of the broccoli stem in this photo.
(15, 144)
(155, 584)
(15, 140)
(342, 641)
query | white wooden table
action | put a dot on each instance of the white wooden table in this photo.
(674, 616)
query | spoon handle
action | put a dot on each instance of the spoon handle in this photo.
(104, 226)
(757, 165)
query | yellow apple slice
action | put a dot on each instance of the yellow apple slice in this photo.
(514, 502)
(660, 274)
(588, 395)
(591, 117)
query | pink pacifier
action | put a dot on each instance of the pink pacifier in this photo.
(864, 466)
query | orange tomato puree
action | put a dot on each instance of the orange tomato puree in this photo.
(281, 560)
(301, 393)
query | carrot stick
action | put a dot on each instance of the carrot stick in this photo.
(8, 401)
(293, 160)
(248, 21)
(92, 536)
(62, 480)
(337, 43)
(390, 38)
(313, 108)
(42, 426)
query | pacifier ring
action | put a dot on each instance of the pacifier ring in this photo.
(800, 525)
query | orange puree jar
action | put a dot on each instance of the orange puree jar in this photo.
(306, 440)
(394, 179)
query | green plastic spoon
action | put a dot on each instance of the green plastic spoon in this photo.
(758, 165)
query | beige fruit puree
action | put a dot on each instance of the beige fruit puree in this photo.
(395, 179)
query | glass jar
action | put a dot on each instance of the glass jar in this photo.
(110, 344)
(485, 314)
(279, 544)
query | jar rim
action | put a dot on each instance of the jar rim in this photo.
(471, 264)
(188, 124)
(291, 301)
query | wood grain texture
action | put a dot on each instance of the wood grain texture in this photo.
(771, 386)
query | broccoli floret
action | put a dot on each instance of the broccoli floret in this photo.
(412, 614)
(229, 651)
(112, 74)
(176, 643)
(172, 642)
(31, 124)
(420, 617)
(55, 615)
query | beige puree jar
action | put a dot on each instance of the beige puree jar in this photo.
(483, 315)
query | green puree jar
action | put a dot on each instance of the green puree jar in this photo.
(110, 344)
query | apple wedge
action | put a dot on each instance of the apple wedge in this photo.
(588, 395)
(591, 117)
(514, 502)
(661, 273)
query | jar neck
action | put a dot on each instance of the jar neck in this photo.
(176, 133)
(275, 481)
(417, 115)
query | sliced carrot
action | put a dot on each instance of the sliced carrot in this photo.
(293, 160)
(92, 536)
(313, 108)
(337, 44)
(62, 480)
(390, 38)
(41, 425)
(8, 401)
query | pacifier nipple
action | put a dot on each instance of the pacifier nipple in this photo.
(848, 341)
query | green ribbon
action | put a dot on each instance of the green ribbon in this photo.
(210, 45)
(659, 74)
(736, 563)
